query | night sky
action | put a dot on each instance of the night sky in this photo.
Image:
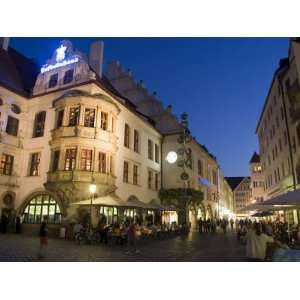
(220, 82)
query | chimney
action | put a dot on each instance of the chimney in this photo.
(96, 57)
(4, 43)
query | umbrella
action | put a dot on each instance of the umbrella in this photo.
(288, 199)
(262, 214)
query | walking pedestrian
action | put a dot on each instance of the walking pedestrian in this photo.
(4, 223)
(18, 225)
(256, 243)
(132, 239)
(231, 224)
(43, 239)
(200, 225)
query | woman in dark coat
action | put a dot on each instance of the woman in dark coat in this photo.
(43, 239)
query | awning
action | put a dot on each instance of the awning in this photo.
(262, 214)
(108, 200)
(256, 206)
(290, 199)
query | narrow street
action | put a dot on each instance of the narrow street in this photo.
(195, 247)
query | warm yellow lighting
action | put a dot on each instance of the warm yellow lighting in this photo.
(92, 188)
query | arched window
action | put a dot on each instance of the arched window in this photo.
(42, 207)
(39, 124)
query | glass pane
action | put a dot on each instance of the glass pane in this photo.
(51, 210)
(57, 208)
(26, 209)
(33, 201)
(39, 199)
(45, 199)
(45, 210)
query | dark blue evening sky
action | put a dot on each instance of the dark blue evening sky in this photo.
(220, 82)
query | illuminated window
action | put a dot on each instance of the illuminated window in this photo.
(39, 124)
(7, 162)
(126, 135)
(40, 208)
(74, 116)
(102, 162)
(86, 159)
(68, 77)
(125, 171)
(104, 120)
(60, 118)
(12, 126)
(109, 214)
(70, 159)
(34, 164)
(53, 80)
(136, 141)
(89, 117)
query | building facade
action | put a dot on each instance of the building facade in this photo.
(68, 125)
(257, 179)
(278, 128)
(241, 187)
(66, 130)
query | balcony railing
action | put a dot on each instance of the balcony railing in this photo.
(81, 176)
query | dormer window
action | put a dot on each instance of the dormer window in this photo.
(53, 80)
(68, 76)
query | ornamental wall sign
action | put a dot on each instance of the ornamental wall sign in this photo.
(8, 200)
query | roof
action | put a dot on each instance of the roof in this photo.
(255, 158)
(17, 72)
(235, 181)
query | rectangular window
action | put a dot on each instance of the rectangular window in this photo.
(200, 167)
(156, 181)
(55, 163)
(12, 126)
(135, 174)
(102, 162)
(89, 117)
(70, 159)
(150, 149)
(53, 80)
(149, 179)
(60, 118)
(104, 120)
(111, 165)
(125, 171)
(39, 124)
(68, 77)
(34, 164)
(126, 135)
(136, 138)
(156, 153)
(7, 162)
(74, 116)
(86, 160)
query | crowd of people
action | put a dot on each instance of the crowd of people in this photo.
(214, 225)
(263, 237)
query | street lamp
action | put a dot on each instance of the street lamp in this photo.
(171, 157)
(92, 190)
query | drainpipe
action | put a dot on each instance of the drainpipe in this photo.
(288, 132)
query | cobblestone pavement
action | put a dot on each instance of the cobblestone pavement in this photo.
(194, 247)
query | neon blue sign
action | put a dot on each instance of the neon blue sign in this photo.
(60, 62)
